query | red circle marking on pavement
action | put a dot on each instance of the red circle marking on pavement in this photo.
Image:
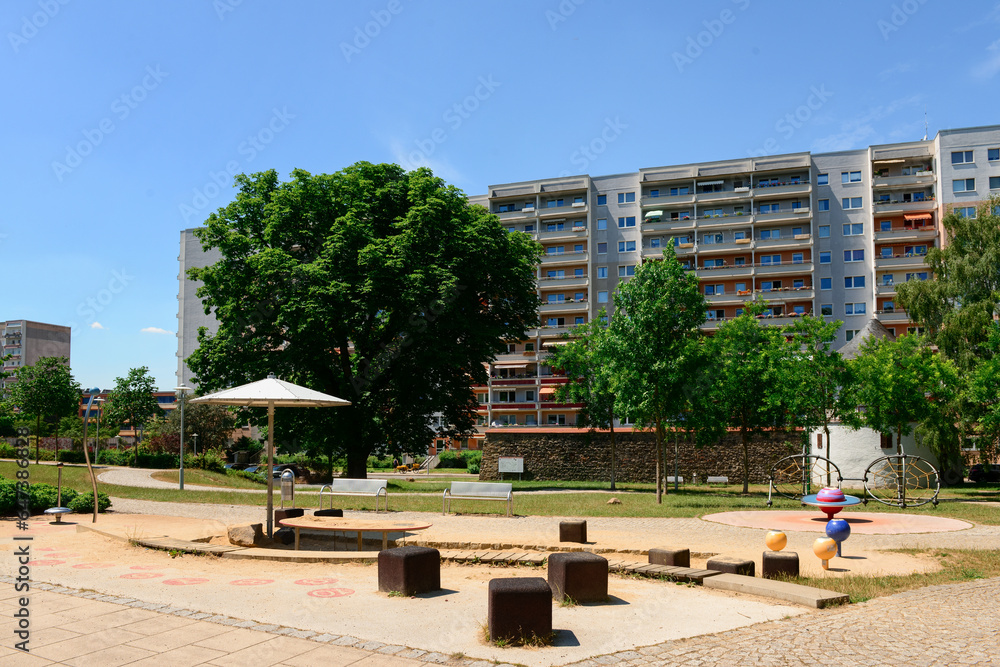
(59, 554)
(145, 567)
(251, 582)
(92, 566)
(46, 562)
(48, 549)
(320, 581)
(185, 581)
(863, 523)
(141, 575)
(330, 592)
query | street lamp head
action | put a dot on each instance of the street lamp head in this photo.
(183, 389)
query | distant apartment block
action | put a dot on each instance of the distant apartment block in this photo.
(26, 342)
(827, 234)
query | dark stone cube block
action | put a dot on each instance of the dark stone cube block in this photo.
(288, 513)
(731, 565)
(519, 609)
(329, 512)
(284, 535)
(573, 531)
(580, 576)
(409, 570)
(674, 557)
(778, 564)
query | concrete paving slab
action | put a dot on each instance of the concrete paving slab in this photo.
(807, 596)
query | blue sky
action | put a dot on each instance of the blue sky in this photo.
(120, 118)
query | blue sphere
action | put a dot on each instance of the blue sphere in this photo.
(838, 529)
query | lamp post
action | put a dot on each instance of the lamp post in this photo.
(181, 390)
(97, 440)
(195, 436)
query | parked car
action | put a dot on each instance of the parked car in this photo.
(979, 473)
(257, 469)
(235, 466)
(278, 469)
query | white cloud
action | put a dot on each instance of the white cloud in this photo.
(96, 325)
(155, 330)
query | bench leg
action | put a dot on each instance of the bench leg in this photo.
(296, 538)
(359, 540)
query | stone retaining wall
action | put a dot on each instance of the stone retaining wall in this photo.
(587, 456)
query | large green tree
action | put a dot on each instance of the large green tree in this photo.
(377, 285)
(959, 305)
(751, 389)
(132, 403)
(585, 360)
(45, 389)
(657, 315)
(984, 397)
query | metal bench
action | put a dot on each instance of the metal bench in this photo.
(478, 491)
(356, 487)
(717, 480)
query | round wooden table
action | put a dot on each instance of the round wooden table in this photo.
(359, 526)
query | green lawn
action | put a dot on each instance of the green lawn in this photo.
(637, 500)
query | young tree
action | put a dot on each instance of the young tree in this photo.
(984, 397)
(377, 285)
(752, 388)
(584, 359)
(46, 389)
(657, 315)
(132, 402)
(214, 425)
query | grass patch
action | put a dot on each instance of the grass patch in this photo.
(956, 566)
(206, 478)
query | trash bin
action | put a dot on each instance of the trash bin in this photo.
(287, 488)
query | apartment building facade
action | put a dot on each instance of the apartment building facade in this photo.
(25, 342)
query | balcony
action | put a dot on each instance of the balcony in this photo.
(555, 331)
(563, 211)
(885, 290)
(515, 357)
(567, 234)
(557, 259)
(718, 248)
(730, 299)
(505, 407)
(523, 214)
(900, 262)
(568, 306)
(726, 221)
(783, 190)
(781, 320)
(666, 200)
(525, 379)
(725, 195)
(904, 235)
(784, 243)
(892, 316)
(894, 206)
(783, 269)
(720, 272)
(546, 283)
(667, 226)
(787, 294)
(800, 214)
(922, 178)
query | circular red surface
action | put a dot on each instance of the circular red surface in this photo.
(141, 575)
(47, 549)
(330, 592)
(862, 523)
(145, 567)
(46, 562)
(251, 582)
(92, 566)
(185, 581)
(321, 581)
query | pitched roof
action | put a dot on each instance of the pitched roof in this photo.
(872, 329)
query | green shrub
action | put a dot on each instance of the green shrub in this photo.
(472, 456)
(114, 457)
(210, 460)
(8, 496)
(253, 477)
(450, 460)
(158, 461)
(68, 456)
(375, 462)
(7, 451)
(44, 496)
(84, 502)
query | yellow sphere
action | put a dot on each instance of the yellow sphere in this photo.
(825, 548)
(775, 540)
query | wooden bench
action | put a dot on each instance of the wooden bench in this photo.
(478, 491)
(356, 487)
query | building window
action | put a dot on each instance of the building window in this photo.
(767, 234)
(602, 223)
(555, 203)
(557, 298)
(529, 228)
(888, 280)
(824, 257)
(767, 260)
(826, 309)
(855, 308)
(823, 205)
(851, 202)
(851, 333)
(961, 157)
(578, 200)
(602, 272)
(797, 257)
(854, 255)
(602, 200)
(626, 246)
(626, 270)
(993, 154)
(654, 193)
(654, 243)
(711, 239)
(854, 229)
(555, 273)
(919, 275)
(822, 179)
(683, 190)
(914, 250)
(850, 177)
(626, 221)
(854, 282)
(966, 211)
(885, 225)
(554, 227)
(602, 248)
(578, 319)
(715, 290)
(602, 297)
(557, 420)
(578, 247)
(994, 182)
(824, 231)
(963, 185)
(626, 197)
(826, 283)
(578, 273)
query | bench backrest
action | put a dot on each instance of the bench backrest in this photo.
(484, 489)
(358, 485)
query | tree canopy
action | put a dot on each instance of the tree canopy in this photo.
(377, 285)
(45, 389)
(132, 402)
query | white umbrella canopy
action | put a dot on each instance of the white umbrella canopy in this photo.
(271, 393)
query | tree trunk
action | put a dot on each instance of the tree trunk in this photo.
(659, 442)
(38, 437)
(614, 444)
(746, 460)
(357, 464)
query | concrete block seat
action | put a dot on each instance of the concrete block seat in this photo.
(573, 531)
(671, 557)
(580, 576)
(329, 512)
(778, 564)
(731, 565)
(409, 570)
(519, 608)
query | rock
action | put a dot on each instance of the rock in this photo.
(614, 501)
(247, 535)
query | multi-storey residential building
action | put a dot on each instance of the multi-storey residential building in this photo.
(191, 311)
(828, 234)
(25, 342)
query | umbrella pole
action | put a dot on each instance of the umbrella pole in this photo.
(270, 468)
